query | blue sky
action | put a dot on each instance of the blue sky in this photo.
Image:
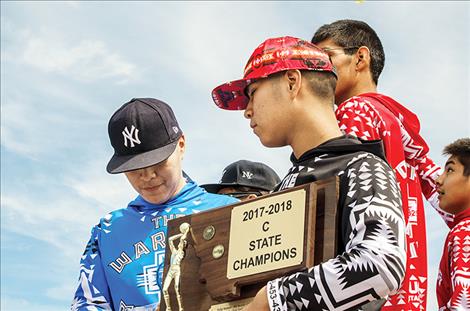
(67, 66)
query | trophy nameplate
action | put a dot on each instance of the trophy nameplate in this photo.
(232, 251)
(261, 239)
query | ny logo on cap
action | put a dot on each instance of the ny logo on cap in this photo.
(247, 175)
(129, 136)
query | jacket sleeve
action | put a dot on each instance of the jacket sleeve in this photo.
(92, 292)
(373, 263)
(428, 172)
(357, 117)
(416, 152)
(458, 262)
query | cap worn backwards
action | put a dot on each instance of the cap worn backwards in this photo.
(143, 132)
(271, 56)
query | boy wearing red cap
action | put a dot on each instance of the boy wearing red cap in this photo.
(358, 55)
(288, 93)
(453, 187)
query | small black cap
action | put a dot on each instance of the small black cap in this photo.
(143, 132)
(246, 173)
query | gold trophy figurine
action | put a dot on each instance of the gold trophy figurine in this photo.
(174, 271)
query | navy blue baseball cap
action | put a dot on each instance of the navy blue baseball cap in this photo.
(246, 173)
(143, 132)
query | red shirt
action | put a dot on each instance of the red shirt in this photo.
(453, 281)
(375, 116)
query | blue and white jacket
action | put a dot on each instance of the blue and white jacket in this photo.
(122, 266)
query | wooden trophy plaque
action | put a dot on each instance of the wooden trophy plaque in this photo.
(232, 251)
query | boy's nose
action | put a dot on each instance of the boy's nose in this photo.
(148, 173)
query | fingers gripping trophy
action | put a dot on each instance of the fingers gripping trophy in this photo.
(174, 271)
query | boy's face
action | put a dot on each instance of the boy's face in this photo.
(159, 183)
(268, 111)
(453, 187)
(345, 69)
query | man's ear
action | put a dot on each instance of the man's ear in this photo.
(362, 58)
(181, 145)
(294, 81)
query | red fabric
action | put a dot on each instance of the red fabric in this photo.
(453, 281)
(376, 116)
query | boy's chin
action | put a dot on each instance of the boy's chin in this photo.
(270, 143)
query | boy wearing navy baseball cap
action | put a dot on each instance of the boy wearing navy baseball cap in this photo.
(245, 180)
(287, 93)
(122, 265)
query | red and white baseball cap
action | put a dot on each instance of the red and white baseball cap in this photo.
(271, 56)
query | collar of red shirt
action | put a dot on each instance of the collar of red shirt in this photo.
(459, 217)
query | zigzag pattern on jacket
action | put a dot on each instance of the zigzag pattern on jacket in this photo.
(373, 263)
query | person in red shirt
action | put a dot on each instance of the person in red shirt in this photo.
(358, 55)
(453, 187)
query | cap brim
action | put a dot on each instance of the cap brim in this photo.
(214, 188)
(121, 164)
(231, 95)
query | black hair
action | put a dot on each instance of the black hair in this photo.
(461, 150)
(321, 84)
(352, 33)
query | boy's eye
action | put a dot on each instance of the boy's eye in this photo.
(251, 93)
(450, 169)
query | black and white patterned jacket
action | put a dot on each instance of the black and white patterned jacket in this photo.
(372, 257)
